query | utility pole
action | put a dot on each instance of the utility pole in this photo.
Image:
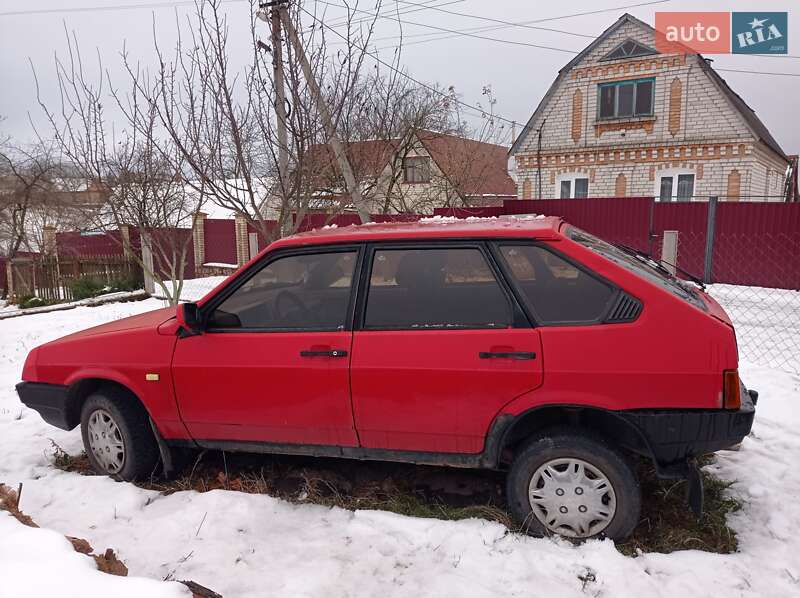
(280, 97)
(333, 139)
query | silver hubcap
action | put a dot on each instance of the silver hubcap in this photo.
(105, 441)
(572, 498)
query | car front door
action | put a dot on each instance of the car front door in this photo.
(273, 362)
(441, 347)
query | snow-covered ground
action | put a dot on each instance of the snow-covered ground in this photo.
(40, 562)
(254, 545)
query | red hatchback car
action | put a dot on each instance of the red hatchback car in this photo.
(522, 344)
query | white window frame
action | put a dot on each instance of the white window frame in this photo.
(570, 176)
(674, 173)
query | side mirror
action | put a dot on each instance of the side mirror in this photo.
(188, 317)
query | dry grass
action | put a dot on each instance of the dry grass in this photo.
(666, 523)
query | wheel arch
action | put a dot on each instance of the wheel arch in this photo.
(509, 431)
(79, 390)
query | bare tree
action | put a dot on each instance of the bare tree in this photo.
(141, 173)
(224, 121)
(29, 180)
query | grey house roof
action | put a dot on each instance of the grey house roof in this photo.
(757, 127)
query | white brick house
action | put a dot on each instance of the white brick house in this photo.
(622, 119)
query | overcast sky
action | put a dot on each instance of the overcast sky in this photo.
(518, 74)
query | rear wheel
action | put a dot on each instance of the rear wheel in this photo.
(117, 435)
(575, 486)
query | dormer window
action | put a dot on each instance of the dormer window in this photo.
(629, 49)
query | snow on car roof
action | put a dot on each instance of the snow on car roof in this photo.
(528, 225)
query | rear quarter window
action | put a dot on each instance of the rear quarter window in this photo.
(554, 289)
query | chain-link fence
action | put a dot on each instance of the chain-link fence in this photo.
(767, 323)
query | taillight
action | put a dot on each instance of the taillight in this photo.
(731, 397)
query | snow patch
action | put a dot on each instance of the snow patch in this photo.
(36, 562)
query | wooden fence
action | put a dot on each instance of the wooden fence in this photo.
(51, 277)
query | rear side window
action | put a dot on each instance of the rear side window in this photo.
(297, 292)
(556, 291)
(434, 288)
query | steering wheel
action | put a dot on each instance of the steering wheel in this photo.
(282, 310)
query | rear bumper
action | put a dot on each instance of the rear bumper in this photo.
(50, 400)
(677, 435)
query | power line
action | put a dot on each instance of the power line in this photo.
(525, 25)
(758, 72)
(528, 25)
(477, 109)
(46, 11)
(458, 33)
(508, 24)
(446, 30)
(342, 21)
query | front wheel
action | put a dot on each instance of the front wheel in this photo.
(117, 436)
(575, 486)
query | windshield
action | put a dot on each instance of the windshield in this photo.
(641, 265)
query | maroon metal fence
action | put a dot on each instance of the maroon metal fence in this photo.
(220, 241)
(757, 244)
(753, 243)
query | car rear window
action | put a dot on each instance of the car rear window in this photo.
(434, 288)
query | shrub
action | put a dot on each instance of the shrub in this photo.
(124, 283)
(29, 301)
(85, 287)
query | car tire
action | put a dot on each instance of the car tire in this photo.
(117, 436)
(574, 485)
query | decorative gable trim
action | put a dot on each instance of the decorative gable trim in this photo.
(630, 48)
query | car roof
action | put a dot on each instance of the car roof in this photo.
(436, 227)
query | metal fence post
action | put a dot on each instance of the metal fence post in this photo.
(669, 250)
(711, 225)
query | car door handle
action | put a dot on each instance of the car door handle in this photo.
(507, 355)
(331, 353)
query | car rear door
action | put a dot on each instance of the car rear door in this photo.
(273, 363)
(440, 346)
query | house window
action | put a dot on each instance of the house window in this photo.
(416, 170)
(675, 186)
(572, 186)
(623, 99)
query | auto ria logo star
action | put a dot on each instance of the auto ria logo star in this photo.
(756, 23)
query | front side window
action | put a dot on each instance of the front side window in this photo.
(623, 99)
(416, 169)
(297, 292)
(556, 291)
(434, 288)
